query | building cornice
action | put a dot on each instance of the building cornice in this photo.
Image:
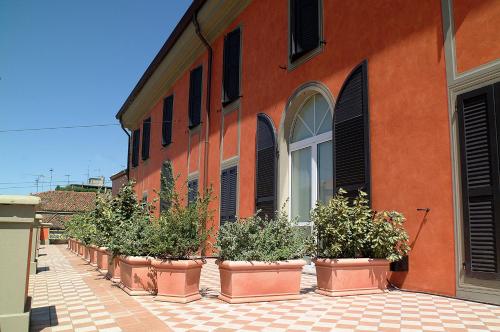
(179, 52)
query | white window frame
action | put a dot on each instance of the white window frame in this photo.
(312, 142)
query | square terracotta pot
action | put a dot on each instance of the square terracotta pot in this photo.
(92, 254)
(178, 280)
(86, 252)
(260, 281)
(113, 267)
(81, 249)
(137, 276)
(351, 276)
(102, 260)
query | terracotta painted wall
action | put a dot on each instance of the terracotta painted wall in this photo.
(410, 145)
(477, 25)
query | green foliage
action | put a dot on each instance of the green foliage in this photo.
(103, 216)
(350, 230)
(261, 239)
(81, 227)
(130, 227)
(181, 231)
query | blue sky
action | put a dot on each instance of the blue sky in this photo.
(66, 63)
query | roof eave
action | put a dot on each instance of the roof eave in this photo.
(167, 46)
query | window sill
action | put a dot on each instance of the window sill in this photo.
(304, 58)
(226, 104)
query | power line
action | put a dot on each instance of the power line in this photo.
(62, 127)
(68, 127)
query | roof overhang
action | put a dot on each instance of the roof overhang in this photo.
(178, 53)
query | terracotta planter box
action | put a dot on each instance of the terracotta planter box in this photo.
(86, 252)
(113, 268)
(351, 276)
(81, 249)
(92, 255)
(260, 281)
(178, 280)
(136, 275)
(102, 260)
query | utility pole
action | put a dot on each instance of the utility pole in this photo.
(51, 171)
(67, 176)
(36, 183)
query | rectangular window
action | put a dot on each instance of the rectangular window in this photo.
(166, 126)
(231, 70)
(136, 136)
(195, 87)
(192, 191)
(304, 27)
(229, 180)
(146, 134)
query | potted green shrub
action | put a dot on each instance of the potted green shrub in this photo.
(131, 242)
(124, 207)
(260, 259)
(103, 220)
(178, 238)
(355, 245)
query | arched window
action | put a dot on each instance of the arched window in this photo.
(311, 164)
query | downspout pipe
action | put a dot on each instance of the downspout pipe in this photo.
(128, 148)
(207, 99)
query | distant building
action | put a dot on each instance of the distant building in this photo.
(118, 180)
(93, 184)
(57, 207)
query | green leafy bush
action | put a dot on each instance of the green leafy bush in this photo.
(81, 227)
(181, 231)
(103, 216)
(261, 239)
(345, 229)
(130, 224)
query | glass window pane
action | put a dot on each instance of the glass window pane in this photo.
(307, 113)
(301, 184)
(325, 171)
(300, 131)
(322, 114)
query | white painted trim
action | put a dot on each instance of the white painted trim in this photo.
(486, 74)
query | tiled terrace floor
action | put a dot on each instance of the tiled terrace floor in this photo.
(70, 295)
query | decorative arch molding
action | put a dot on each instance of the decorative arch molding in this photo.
(292, 106)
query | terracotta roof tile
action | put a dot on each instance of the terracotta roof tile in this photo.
(66, 201)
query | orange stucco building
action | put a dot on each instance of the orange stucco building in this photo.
(392, 79)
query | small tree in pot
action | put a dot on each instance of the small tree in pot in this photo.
(355, 245)
(104, 222)
(130, 243)
(177, 240)
(260, 259)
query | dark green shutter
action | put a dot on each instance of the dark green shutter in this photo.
(146, 135)
(265, 188)
(195, 88)
(229, 180)
(166, 127)
(351, 137)
(231, 70)
(478, 114)
(304, 27)
(136, 136)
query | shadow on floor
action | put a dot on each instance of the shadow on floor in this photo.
(42, 269)
(43, 317)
